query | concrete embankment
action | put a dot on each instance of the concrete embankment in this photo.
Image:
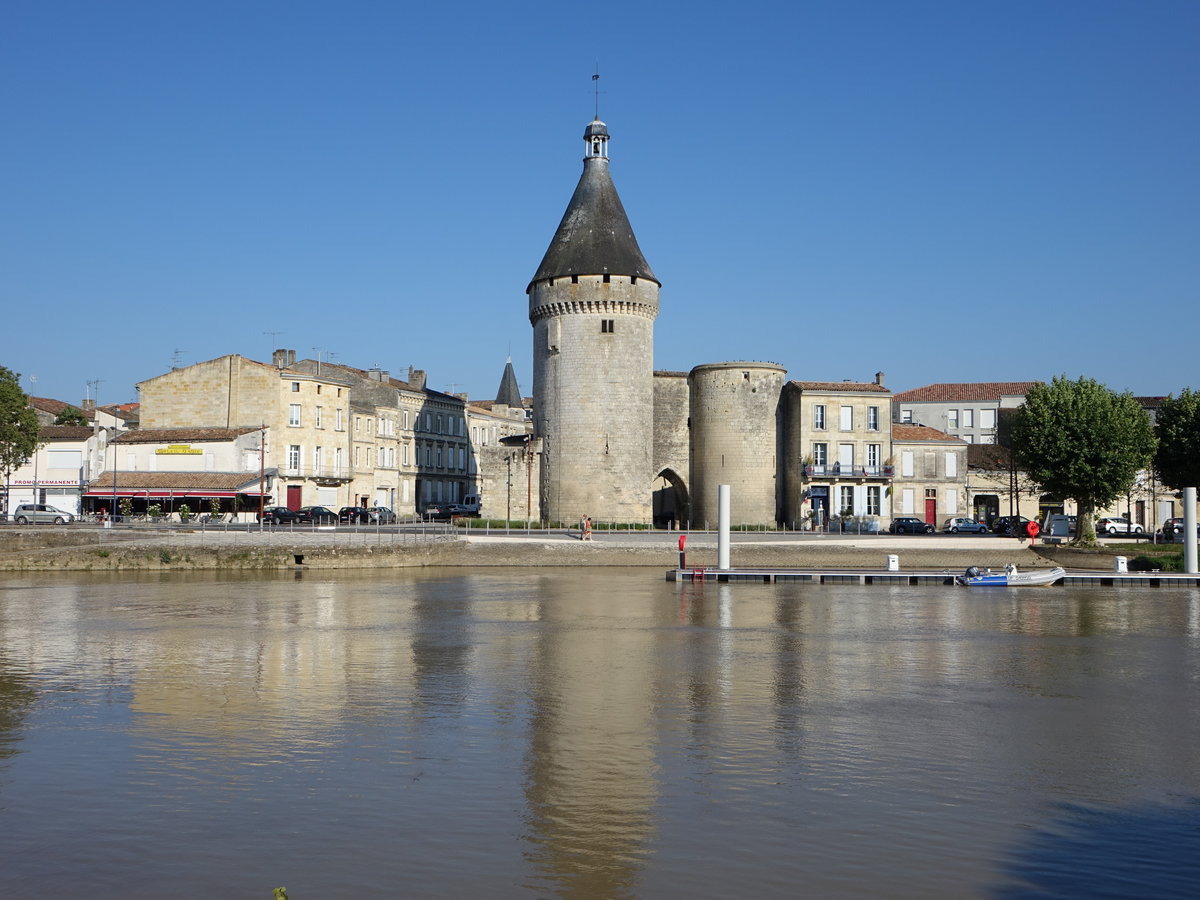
(97, 550)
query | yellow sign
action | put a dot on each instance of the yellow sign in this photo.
(172, 449)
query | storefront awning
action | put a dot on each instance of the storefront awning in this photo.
(181, 493)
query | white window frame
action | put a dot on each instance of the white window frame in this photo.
(294, 415)
(819, 416)
(846, 418)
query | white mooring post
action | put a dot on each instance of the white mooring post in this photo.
(722, 526)
(1189, 531)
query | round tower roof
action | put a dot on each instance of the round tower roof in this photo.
(594, 236)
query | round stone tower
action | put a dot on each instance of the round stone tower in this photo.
(592, 305)
(734, 440)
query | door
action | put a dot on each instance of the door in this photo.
(931, 511)
(293, 496)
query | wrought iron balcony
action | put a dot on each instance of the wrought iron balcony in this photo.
(324, 473)
(838, 470)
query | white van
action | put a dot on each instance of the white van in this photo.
(470, 504)
(1059, 525)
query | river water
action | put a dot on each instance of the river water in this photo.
(593, 733)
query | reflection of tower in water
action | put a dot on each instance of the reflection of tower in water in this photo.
(590, 771)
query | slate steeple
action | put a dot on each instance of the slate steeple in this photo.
(594, 236)
(509, 393)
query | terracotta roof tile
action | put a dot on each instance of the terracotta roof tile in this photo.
(65, 432)
(868, 387)
(180, 481)
(919, 433)
(975, 391)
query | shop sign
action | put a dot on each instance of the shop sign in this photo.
(178, 449)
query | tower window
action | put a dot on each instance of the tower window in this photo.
(574, 279)
(606, 326)
(606, 279)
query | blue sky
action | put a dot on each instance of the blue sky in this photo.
(944, 191)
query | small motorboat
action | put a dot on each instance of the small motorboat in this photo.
(1010, 577)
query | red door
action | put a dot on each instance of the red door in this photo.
(293, 500)
(931, 510)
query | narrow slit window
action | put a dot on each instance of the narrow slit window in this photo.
(606, 326)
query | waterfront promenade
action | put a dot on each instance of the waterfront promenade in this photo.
(98, 549)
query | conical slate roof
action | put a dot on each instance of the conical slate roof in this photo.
(509, 393)
(594, 236)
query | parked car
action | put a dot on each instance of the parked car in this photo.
(964, 523)
(41, 513)
(437, 511)
(277, 515)
(380, 515)
(1173, 527)
(352, 514)
(462, 509)
(909, 525)
(1009, 525)
(317, 515)
(1117, 525)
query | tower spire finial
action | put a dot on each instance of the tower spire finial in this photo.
(596, 88)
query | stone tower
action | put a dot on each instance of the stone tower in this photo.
(734, 440)
(592, 305)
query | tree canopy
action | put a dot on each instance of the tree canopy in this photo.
(18, 424)
(71, 416)
(1078, 439)
(1177, 458)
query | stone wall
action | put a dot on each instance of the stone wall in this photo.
(593, 396)
(734, 440)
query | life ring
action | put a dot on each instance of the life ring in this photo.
(1032, 529)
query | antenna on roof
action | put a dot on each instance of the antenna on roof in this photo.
(176, 358)
(93, 385)
(273, 334)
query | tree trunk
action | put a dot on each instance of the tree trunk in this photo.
(1085, 528)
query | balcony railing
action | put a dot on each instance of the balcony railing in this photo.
(838, 470)
(334, 473)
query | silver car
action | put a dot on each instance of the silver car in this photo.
(40, 513)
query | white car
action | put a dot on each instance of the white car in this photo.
(1117, 525)
(41, 513)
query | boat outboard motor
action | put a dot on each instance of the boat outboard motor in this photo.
(972, 572)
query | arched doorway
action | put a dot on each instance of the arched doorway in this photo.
(672, 509)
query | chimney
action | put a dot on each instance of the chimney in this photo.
(279, 359)
(291, 357)
(88, 406)
(879, 378)
(416, 377)
(377, 374)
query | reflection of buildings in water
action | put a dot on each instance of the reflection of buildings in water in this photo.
(788, 687)
(590, 775)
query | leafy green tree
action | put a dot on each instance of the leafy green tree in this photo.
(18, 424)
(1078, 439)
(70, 416)
(1177, 458)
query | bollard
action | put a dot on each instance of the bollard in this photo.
(893, 562)
(1120, 565)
